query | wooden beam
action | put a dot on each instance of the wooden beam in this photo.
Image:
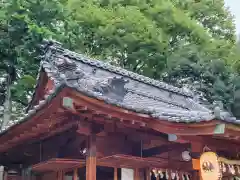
(39, 135)
(205, 128)
(143, 134)
(212, 143)
(98, 105)
(87, 128)
(91, 167)
(180, 129)
(162, 149)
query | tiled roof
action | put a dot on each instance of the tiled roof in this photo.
(122, 88)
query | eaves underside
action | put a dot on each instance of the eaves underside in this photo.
(145, 117)
(86, 106)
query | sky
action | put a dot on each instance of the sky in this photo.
(234, 6)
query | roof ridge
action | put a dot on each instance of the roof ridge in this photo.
(54, 45)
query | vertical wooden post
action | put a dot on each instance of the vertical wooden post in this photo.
(197, 147)
(75, 174)
(196, 175)
(115, 173)
(147, 172)
(91, 166)
(136, 174)
(60, 175)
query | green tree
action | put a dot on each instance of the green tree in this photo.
(187, 43)
(23, 25)
(184, 42)
(212, 15)
(152, 26)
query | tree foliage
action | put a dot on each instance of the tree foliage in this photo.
(23, 25)
(187, 43)
(183, 42)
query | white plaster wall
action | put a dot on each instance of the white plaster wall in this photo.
(127, 174)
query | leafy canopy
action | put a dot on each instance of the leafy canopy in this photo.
(184, 42)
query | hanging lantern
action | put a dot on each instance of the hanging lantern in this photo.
(210, 166)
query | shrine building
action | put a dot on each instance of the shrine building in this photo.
(89, 120)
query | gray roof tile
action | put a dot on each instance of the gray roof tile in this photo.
(122, 88)
(119, 87)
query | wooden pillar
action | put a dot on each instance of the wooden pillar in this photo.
(115, 174)
(75, 174)
(91, 166)
(196, 175)
(197, 147)
(136, 174)
(147, 172)
(60, 175)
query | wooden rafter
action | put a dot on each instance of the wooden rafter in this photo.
(41, 115)
(40, 131)
(52, 142)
